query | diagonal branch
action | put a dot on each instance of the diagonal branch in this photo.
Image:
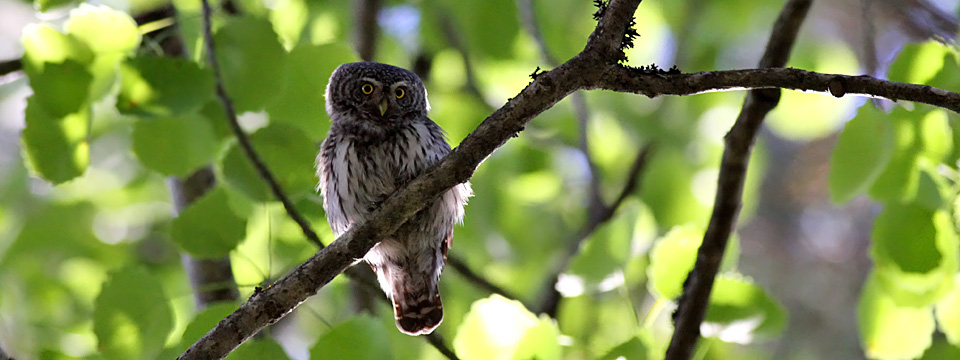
(596, 67)
(9, 66)
(269, 305)
(243, 140)
(461, 267)
(550, 300)
(739, 141)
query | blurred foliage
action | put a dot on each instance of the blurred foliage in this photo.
(89, 264)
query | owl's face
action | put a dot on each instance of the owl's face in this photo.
(375, 93)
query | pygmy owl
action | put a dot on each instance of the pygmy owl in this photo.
(380, 139)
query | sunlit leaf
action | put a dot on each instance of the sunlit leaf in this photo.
(56, 146)
(948, 313)
(915, 252)
(208, 227)
(110, 34)
(671, 259)
(937, 136)
(898, 181)
(104, 29)
(863, 150)
(252, 61)
(498, 328)
(367, 339)
(163, 86)
(891, 331)
(132, 316)
(42, 44)
(740, 310)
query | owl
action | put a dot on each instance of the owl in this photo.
(380, 139)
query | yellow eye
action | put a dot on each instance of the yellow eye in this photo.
(399, 92)
(367, 89)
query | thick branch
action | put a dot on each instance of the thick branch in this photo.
(692, 305)
(631, 80)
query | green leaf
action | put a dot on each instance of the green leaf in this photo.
(864, 148)
(42, 44)
(132, 315)
(103, 29)
(889, 330)
(174, 145)
(948, 313)
(937, 136)
(257, 349)
(111, 35)
(671, 260)
(252, 61)
(286, 151)
(631, 349)
(361, 337)
(163, 86)
(302, 103)
(208, 228)
(56, 147)
(915, 253)
(740, 310)
(898, 181)
(46, 5)
(201, 324)
(608, 248)
(941, 350)
(499, 328)
(61, 88)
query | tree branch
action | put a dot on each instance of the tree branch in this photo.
(624, 79)
(269, 305)
(594, 68)
(692, 305)
(9, 66)
(243, 140)
(365, 28)
(461, 267)
(550, 300)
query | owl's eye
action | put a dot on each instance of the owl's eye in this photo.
(367, 89)
(399, 92)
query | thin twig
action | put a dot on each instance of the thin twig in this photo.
(454, 39)
(464, 270)
(436, 340)
(550, 298)
(692, 305)
(9, 66)
(242, 138)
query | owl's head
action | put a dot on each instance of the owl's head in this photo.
(375, 92)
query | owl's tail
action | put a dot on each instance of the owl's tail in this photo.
(418, 313)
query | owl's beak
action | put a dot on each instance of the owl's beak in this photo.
(383, 107)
